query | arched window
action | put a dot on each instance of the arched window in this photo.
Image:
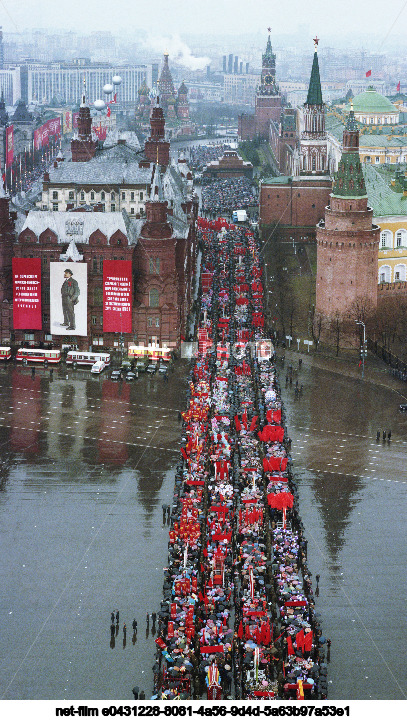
(154, 296)
(401, 238)
(386, 239)
(384, 274)
(400, 272)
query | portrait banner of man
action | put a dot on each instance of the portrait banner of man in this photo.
(68, 298)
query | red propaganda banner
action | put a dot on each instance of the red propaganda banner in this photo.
(42, 134)
(117, 296)
(9, 144)
(27, 293)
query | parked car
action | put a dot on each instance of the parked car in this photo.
(126, 366)
(141, 365)
(130, 376)
(115, 375)
(151, 368)
(403, 406)
(163, 368)
(98, 367)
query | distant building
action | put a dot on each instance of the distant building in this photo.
(231, 165)
(267, 101)
(372, 108)
(240, 89)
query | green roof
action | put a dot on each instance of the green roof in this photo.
(314, 96)
(383, 200)
(372, 102)
(278, 180)
(380, 141)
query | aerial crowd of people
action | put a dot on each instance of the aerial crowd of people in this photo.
(237, 618)
(224, 196)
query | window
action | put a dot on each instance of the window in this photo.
(97, 340)
(54, 206)
(401, 238)
(151, 265)
(82, 195)
(154, 301)
(131, 211)
(45, 318)
(112, 208)
(386, 239)
(28, 336)
(101, 320)
(95, 265)
(102, 195)
(377, 160)
(132, 195)
(123, 196)
(71, 195)
(141, 196)
(150, 322)
(98, 295)
(400, 272)
(368, 159)
(55, 195)
(101, 265)
(157, 322)
(92, 195)
(385, 274)
(157, 265)
(94, 320)
(112, 196)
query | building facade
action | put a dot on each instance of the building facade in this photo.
(347, 240)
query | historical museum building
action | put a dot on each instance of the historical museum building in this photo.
(124, 209)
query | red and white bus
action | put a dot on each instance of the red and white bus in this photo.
(5, 353)
(39, 355)
(153, 353)
(81, 358)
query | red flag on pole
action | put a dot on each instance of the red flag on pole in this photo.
(290, 649)
(368, 74)
(398, 86)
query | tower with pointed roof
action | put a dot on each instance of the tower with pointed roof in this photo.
(268, 97)
(157, 148)
(313, 144)
(182, 106)
(83, 146)
(347, 239)
(166, 86)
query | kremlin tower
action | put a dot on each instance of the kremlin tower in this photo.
(83, 146)
(347, 240)
(313, 144)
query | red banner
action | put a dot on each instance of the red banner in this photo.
(27, 293)
(46, 131)
(9, 144)
(117, 296)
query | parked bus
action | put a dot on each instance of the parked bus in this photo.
(81, 358)
(5, 353)
(152, 353)
(38, 355)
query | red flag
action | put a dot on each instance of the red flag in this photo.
(308, 641)
(108, 113)
(290, 648)
(368, 74)
(398, 86)
(240, 630)
(299, 639)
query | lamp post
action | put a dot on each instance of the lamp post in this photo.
(360, 322)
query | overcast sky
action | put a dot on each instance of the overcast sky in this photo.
(326, 18)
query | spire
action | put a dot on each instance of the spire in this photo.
(349, 181)
(83, 103)
(156, 193)
(314, 96)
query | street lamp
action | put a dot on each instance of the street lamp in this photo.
(360, 322)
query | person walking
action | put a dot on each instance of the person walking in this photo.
(134, 624)
(112, 617)
(388, 435)
(117, 616)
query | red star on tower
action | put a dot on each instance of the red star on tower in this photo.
(316, 41)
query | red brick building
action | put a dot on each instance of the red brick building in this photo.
(267, 101)
(347, 239)
(161, 248)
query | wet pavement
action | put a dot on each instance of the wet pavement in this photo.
(353, 504)
(87, 463)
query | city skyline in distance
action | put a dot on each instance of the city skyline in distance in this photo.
(386, 23)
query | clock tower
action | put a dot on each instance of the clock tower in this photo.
(268, 97)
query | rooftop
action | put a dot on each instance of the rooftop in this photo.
(381, 197)
(108, 223)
